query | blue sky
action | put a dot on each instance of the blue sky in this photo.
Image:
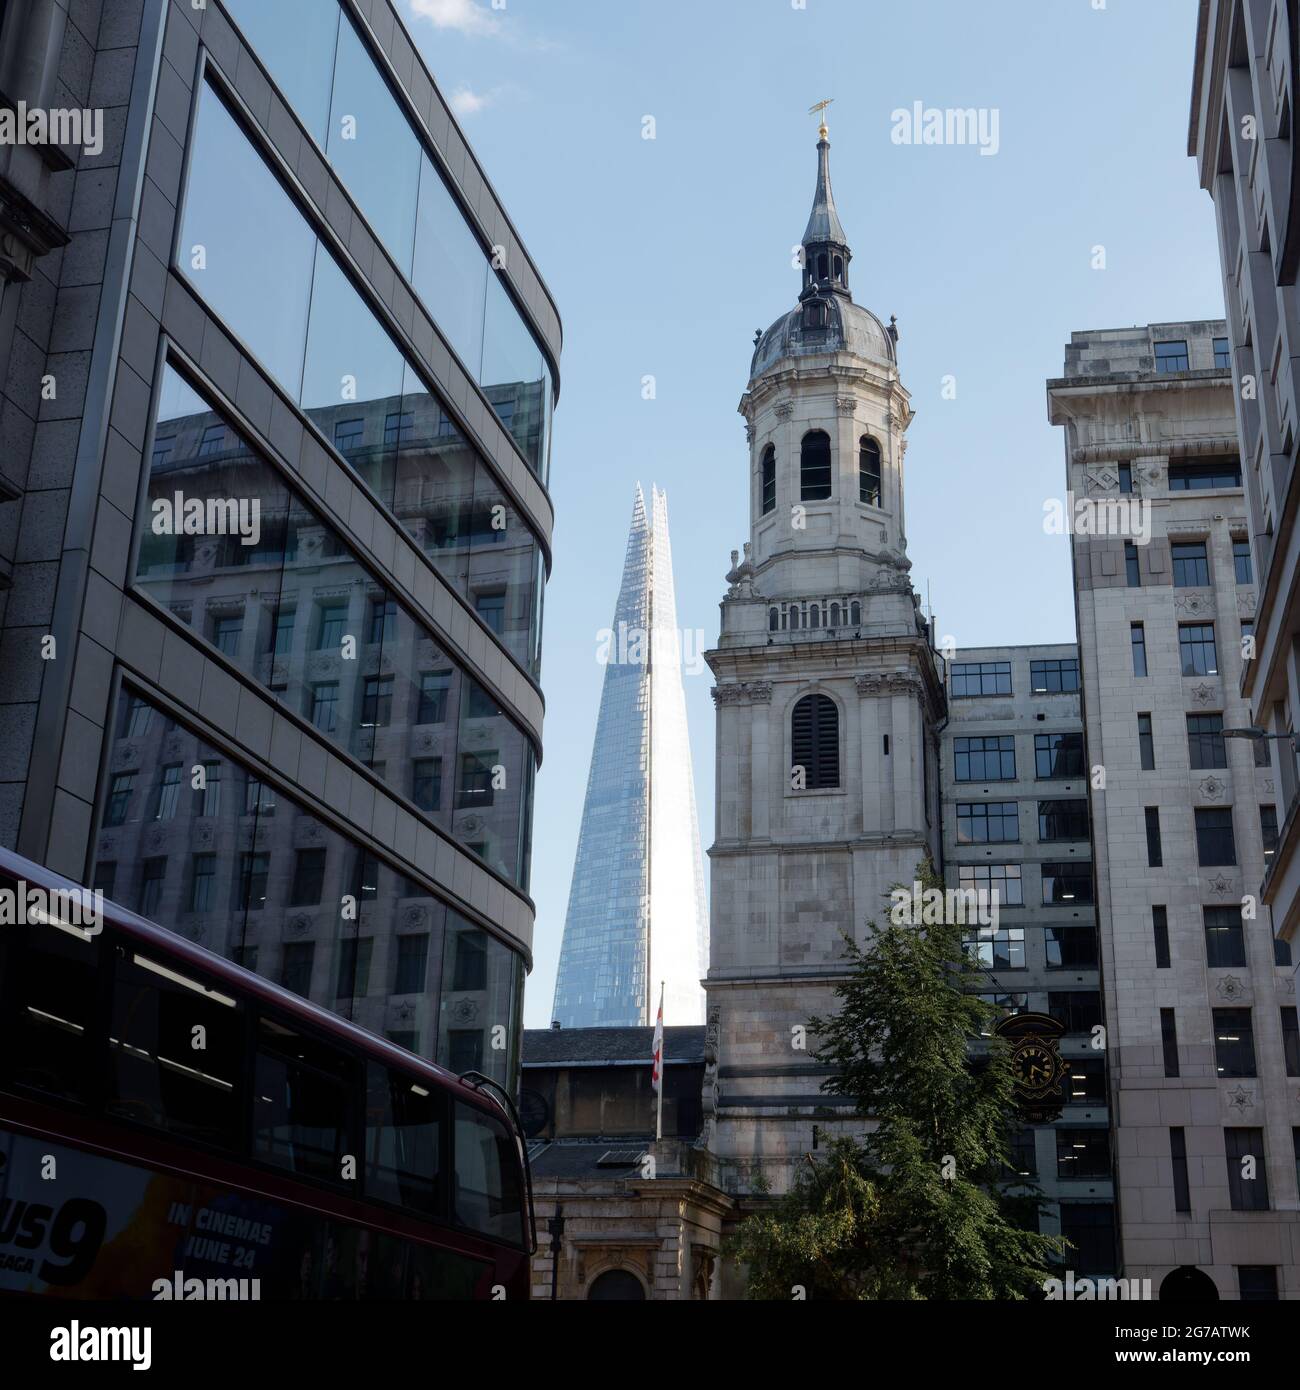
(665, 255)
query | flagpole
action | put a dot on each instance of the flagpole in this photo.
(659, 1118)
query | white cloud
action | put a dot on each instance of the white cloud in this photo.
(467, 16)
(465, 101)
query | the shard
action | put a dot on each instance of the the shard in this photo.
(636, 916)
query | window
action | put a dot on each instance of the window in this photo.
(308, 878)
(987, 822)
(1071, 948)
(1132, 569)
(1169, 1040)
(353, 980)
(869, 471)
(487, 1194)
(398, 427)
(996, 948)
(1086, 1082)
(987, 879)
(412, 964)
(282, 634)
(1058, 756)
(1067, 883)
(1212, 475)
(469, 968)
(427, 787)
(1090, 1229)
(1078, 1009)
(1268, 829)
(203, 879)
(259, 799)
(404, 1128)
(1126, 477)
(1241, 562)
(119, 798)
(168, 795)
(1082, 1153)
(1012, 1003)
(1247, 639)
(1205, 743)
(325, 706)
(815, 741)
(333, 619)
(1257, 1283)
(213, 441)
(1171, 356)
(1022, 1160)
(1234, 1042)
(226, 633)
(815, 467)
(985, 759)
(1281, 953)
(348, 435)
(1160, 931)
(434, 689)
(971, 678)
(1155, 851)
(1247, 1170)
(377, 702)
(1146, 744)
(254, 874)
(1197, 650)
(1063, 820)
(476, 787)
(1178, 1158)
(137, 718)
(303, 1103)
(491, 607)
(296, 966)
(1138, 640)
(383, 621)
(769, 480)
(1191, 565)
(1291, 1040)
(152, 874)
(1053, 677)
(1225, 938)
(1215, 843)
(1222, 354)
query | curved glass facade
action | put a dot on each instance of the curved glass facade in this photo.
(193, 839)
(259, 265)
(326, 72)
(287, 601)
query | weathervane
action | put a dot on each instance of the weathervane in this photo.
(820, 110)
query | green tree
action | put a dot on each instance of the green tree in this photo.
(917, 1208)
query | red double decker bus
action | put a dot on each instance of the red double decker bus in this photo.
(172, 1126)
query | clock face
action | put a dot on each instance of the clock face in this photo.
(1036, 1067)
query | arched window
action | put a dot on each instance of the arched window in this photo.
(794, 619)
(815, 467)
(823, 267)
(839, 268)
(616, 1286)
(835, 615)
(814, 314)
(815, 740)
(769, 480)
(773, 619)
(869, 471)
(855, 614)
(814, 615)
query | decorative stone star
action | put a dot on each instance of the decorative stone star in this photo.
(1212, 788)
(1203, 693)
(1220, 886)
(1241, 1099)
(1230, 987)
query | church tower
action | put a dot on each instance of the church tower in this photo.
(827, 703)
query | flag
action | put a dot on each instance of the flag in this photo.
(657, 1073)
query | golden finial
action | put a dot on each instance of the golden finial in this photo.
(820, 110)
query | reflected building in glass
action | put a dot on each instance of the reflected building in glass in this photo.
(637, 917)
(272, 552)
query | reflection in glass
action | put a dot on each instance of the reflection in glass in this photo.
(295, 39)
(450, 272)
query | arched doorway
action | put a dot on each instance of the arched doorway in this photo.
(616, 1286)
(1187, 1284)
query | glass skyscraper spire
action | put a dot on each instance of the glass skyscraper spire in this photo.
(636, 915)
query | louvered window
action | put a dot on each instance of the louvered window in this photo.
(815, 741)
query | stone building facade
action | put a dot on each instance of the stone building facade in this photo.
(827, 699)
(1015, 821)
(1200, 1008)
(1241, 135)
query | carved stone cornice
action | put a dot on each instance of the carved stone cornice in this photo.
(891, 683)
(784, 411)
(846, 405)
(743, 693)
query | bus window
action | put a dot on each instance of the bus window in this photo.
(175, 1052)
(487, 1181)
(49, 999)
(302, 1111)
(404, 1123)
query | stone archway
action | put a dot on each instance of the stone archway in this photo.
(616, 1286)
(1187, 1284)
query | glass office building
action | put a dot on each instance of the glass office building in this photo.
(284, 514)
(636, 918)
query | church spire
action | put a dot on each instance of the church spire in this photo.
(826, 248)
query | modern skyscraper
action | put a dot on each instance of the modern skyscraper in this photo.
(287, 295)
(636, 913)
(1201, 1041)
(828, 698)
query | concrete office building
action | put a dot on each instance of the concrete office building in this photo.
(1015, 822)
(1245, 73)
(1200, 1009)
(274, 524)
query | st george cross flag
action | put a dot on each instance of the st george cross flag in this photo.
(656, 1075)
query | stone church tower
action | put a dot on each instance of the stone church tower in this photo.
(827, 698)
